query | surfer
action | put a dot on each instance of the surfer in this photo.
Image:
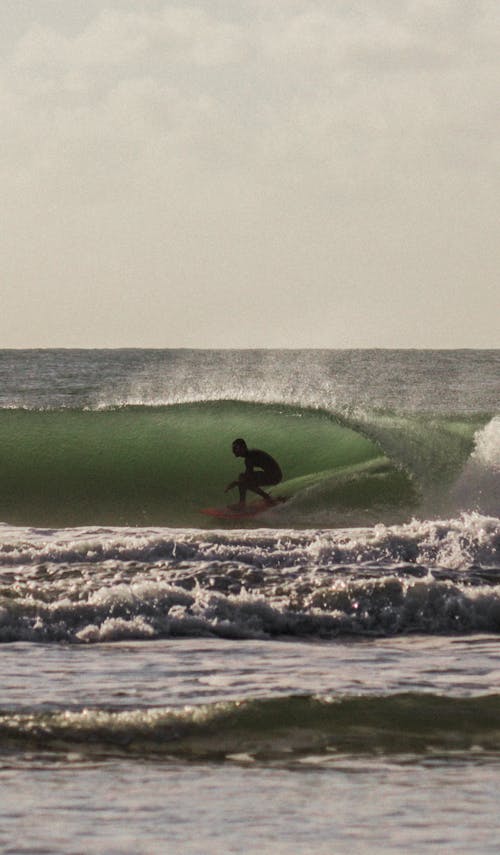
(261, 470)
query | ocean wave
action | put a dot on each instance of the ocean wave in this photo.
(457, 544)
(159, 466)
(86, 586)
(270, 729)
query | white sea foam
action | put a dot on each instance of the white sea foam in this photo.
(455, 544)
(479, 484)
(93, 585)
(487, 446)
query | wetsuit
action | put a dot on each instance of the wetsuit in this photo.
(261, 470)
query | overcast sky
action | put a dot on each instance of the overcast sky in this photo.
(254, 173)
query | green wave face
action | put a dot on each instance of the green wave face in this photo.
(159, 466)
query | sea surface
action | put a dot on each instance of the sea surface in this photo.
(323, 677)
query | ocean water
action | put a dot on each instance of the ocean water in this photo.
(324, 677)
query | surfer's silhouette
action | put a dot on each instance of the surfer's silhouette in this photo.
(261, 470)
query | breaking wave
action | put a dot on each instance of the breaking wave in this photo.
(159, 465)
(95, 585)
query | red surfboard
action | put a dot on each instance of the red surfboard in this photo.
(235, 513)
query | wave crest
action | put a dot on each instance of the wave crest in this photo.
(289, 728)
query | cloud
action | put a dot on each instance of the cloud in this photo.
(218, 143)
(323, 71)
(115, 38)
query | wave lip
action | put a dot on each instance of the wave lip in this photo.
(284, 728)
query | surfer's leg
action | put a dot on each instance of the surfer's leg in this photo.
(255, 484)
(242, 489)
(250, 483)
(262, 494)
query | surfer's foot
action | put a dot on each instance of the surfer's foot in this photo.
(275, 500)
(238, 506)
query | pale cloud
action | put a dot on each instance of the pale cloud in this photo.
(114, 38)
(325, 152)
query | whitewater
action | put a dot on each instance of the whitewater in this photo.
(178, 678)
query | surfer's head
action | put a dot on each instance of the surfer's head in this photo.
(239, 447)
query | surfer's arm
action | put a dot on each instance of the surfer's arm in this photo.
(241, 479)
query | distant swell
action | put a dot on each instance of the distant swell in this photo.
(286, 728)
